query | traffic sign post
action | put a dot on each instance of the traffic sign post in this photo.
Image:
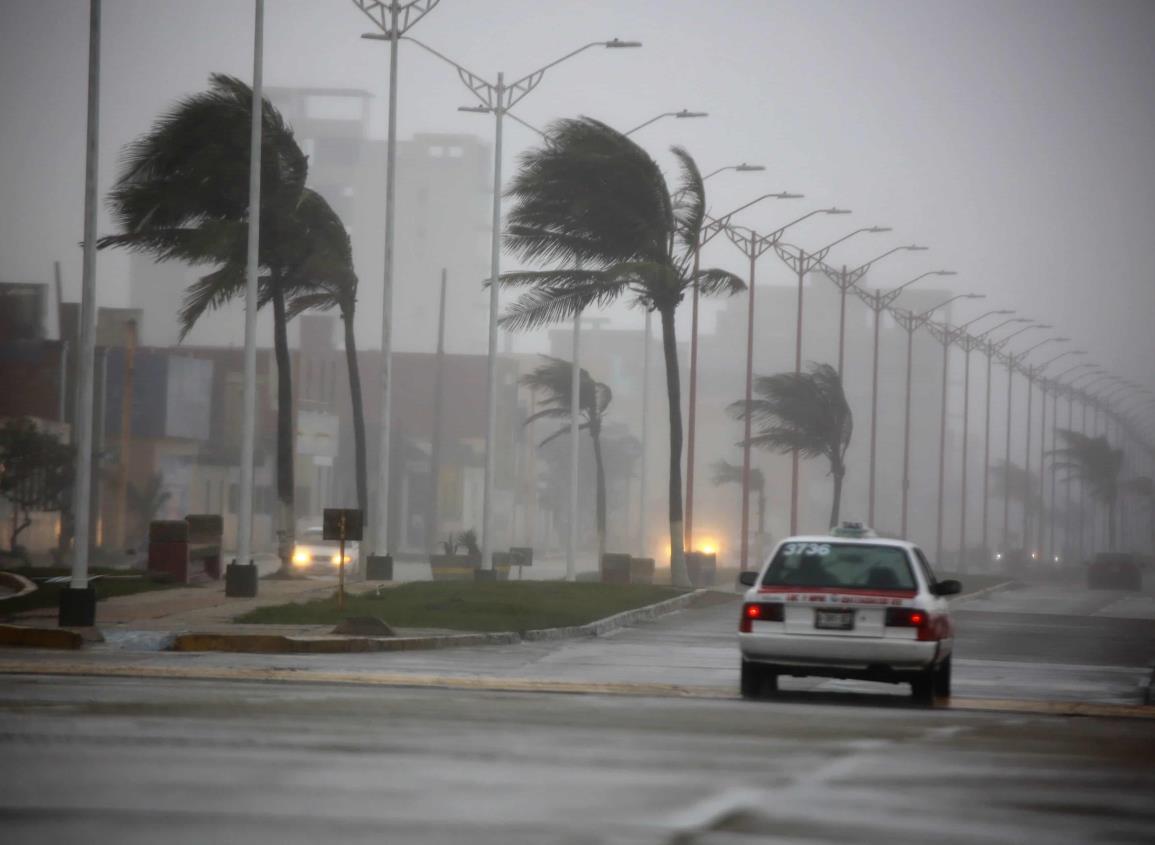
(341, 524)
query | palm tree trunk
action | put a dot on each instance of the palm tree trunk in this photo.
(285, 515)
(600, 512)
(836, 505)
(679, 577)
(354, 368)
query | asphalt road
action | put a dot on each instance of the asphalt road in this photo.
(646, 742)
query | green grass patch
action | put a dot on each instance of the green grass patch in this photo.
(469, 606)
(48, 594)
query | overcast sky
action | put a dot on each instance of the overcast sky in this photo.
(1015, 139)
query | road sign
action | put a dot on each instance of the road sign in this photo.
(342, 524)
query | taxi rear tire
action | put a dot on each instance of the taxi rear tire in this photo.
(757, 680)
(942, 680)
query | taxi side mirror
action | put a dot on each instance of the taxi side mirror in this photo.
(748, 578)
(950, 587)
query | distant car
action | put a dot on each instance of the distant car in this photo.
(314, 554)
(1114, 571)
(847, 607)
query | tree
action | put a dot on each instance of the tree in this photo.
(552, 381)
(807, 412)
(728, 473)
(183, 195)
(36, 473)
(596, 206)
(1091, 461)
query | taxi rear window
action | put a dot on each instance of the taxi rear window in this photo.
(844, 565)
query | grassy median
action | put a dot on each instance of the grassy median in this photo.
(468, 606)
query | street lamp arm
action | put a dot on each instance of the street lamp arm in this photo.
(653, 119)
(1003, 323)
(472, 81)
(521, 87)
(527, 125)
(410, 13)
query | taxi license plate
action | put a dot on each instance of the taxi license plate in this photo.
(837, 620)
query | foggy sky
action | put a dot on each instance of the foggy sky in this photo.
(1013, 138)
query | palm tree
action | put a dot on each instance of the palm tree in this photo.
(183, 195)
(728, 473)
(1092, 461)
(596, 206)
(552, 381)
(807, 412)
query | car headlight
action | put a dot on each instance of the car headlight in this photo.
(336, 558)
(301, 557)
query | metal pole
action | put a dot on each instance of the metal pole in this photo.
(1054, 482)
(1083, 495)
(575, 410)
(962, 523)
(643, 539)
(252, 267)
(1039, 524)
(438, 425)
(494, 305)
(1007, 464)
(794, 457)
(693, 404)
(381, 536)
(842, 287)
(744, 541)
(906, 428)
(1067, 532)
(1027, 488)
(87, 352)
(987, 457)
(942, 444)
(873, 413)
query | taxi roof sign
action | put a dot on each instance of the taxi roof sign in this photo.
(849, 528)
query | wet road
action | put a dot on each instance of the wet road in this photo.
(421, 747)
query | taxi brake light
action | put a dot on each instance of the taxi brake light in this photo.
(763, 612)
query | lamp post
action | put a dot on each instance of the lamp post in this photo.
(989, 350)
(1030, 372)
(711, 227)
(1085, 399)
(681, 115)
(877, 301)
(744, 167)
(753, 245)
(912, 322)
(1042, 448)
(969, 343)
(497, 98)
(394, 18)
(1058, 388)
(802, 262)
(78, 600)
(946, 335)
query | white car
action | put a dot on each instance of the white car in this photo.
(312, 553)
(847, 607)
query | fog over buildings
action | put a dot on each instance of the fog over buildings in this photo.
(1013, 139)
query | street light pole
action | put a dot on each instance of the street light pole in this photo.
(877, 301)
(497, 98)
(711, 227)
(947, 335)
(249, 414)
(394, 19)
(802, 263)
(1058, 388)
(753, 245)
(1043, 451)
(78, 601)
(911, 323)
(1030, 372)
(989, 350)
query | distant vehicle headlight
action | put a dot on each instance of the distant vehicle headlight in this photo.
(998, 555)
(301, 557)
(336, 558)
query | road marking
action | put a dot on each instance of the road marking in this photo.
(490, 684)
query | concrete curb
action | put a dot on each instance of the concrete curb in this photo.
(61, 638)
(279, 644)
(986, 591)
(619, 620)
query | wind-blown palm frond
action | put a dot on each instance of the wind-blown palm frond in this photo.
(714, 281)
(544, 306)
(805, 412)
(728, 473)
(690, 202)
(1090, 460)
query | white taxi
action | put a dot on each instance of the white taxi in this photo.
(847, 605)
